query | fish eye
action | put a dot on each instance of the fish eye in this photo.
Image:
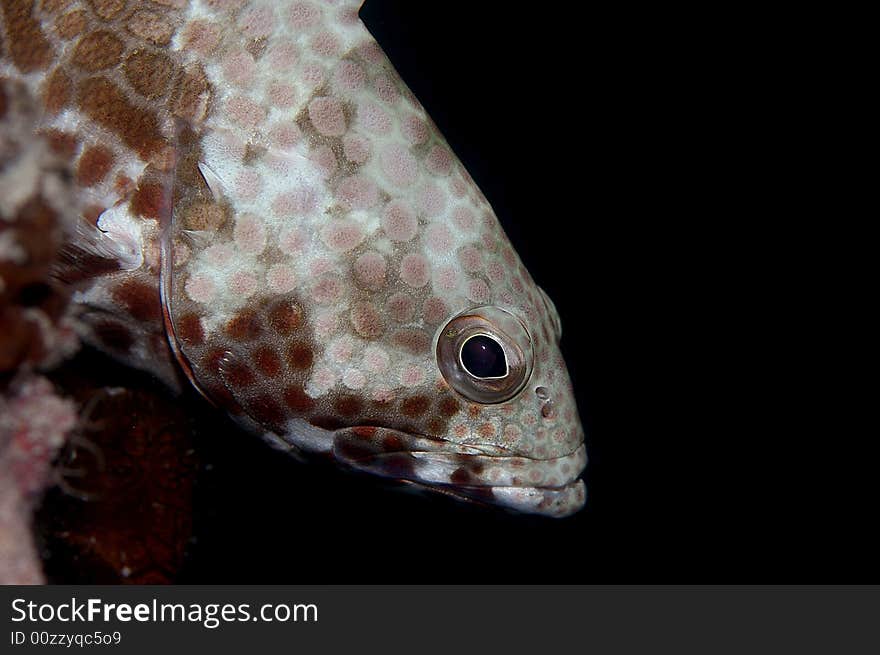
(485, 354)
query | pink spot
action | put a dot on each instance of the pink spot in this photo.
(325, 159)
(219, 254)
(245, 111)
(383, 395)
(303, 15)
(325, 44)
(293, 240)
(356, 148)
(373, 117)
(354, 379)
(328, 289)
(281, 278)
(341, 349)
(283, 56)
(478, 291)
(200, 288)
(471, 259)
(385, 89)
(342, 235)
(432, 200)
(371, 52)
(347, 16)
(349, 76)
(412, 376)
(298, 202)
(326, 324)
(439, 238)
(312, 75)
(495, 271)
(358, 192)
(281, 95)
(459, 188)
(399, 221)
(284, 135)
(243, 284)
(414, 130)
(257, 22)
(446, 278)
(369, 269)
(327, 116)
(376, 360)
(239, 68)
(248, 184)
(250, 234)
(201, 36)
(401, 307)
(464, 218)
(398, 165)
(414, 270)
(322, 378)
(435, 310)
(438, 161)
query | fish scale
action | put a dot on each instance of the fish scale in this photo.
(270, 210)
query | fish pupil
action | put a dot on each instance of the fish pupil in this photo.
(483, 357)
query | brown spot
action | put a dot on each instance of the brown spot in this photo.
(364, 431)
(235, 373)
(94, 164)
(297, 400)
(114, 335)
(392, 443)
(62, 143)
(55, 6)
(486, 430)
(188, 328)
(97, 50)
(107, 9)
(71, 24)
(474, 411)
(412, 340)
(149, 73)
(449, 406)
(268, 361)
(105, 104)
(202, 215)
(151, 26)
(26, 44)
(462, 476)
(56, 92)
(415, 406)
(191, 94)
(348, 405)
(436, 426)
(396, 465)
(299, 355)
(140, 300)
(151, 200)
(367, 320)
(286, 318)
(266, 410)
(245, 326)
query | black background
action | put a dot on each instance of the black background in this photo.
(619, 162)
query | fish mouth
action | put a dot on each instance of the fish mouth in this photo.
(482, 473)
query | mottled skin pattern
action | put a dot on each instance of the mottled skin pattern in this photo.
(262, 165)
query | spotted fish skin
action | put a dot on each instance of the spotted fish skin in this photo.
(263, 169)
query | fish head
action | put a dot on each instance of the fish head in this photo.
(335, 280)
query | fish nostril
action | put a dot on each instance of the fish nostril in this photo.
(542, 393)
(548, 409)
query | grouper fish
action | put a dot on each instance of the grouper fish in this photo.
(264, 209)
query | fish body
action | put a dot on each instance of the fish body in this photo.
(267, 208)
